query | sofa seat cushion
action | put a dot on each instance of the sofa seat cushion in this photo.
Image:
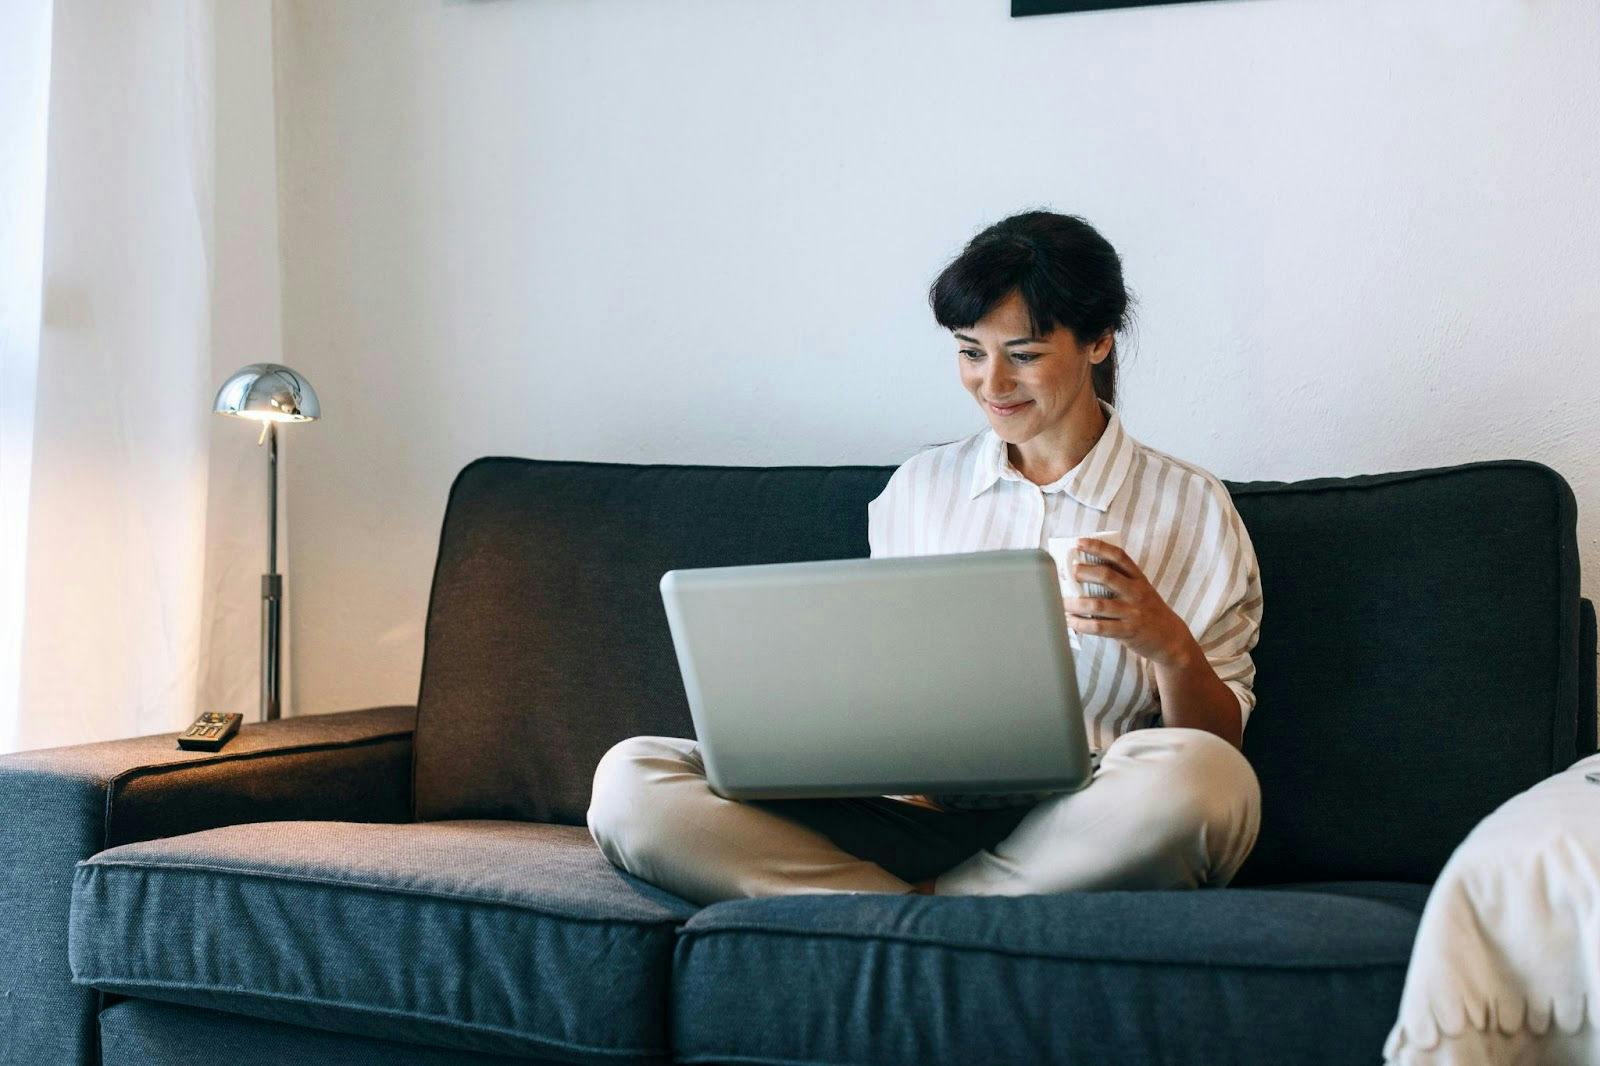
(1200, 976)
(512, 938)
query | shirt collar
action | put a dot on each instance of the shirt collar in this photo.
(1093, 482)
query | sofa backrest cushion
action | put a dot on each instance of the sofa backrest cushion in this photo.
(1418, 661)
(1417, 665)
(546, 639)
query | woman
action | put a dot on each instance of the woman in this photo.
(1033, 304)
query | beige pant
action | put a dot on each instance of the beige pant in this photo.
(1168, 807)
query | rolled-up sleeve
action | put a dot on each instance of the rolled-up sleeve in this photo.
(1233, 630)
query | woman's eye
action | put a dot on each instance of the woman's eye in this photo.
(973, 354)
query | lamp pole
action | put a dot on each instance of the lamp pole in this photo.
(271, 587)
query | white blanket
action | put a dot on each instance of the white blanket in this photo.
(1506, 964)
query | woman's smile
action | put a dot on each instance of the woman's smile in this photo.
(1013, 409)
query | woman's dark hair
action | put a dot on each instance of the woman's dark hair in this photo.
(1067, 274)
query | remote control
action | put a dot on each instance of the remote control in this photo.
(210, 731)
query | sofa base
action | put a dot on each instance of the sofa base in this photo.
(142, 1032)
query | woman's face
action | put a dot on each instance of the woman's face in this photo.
(1047, 376)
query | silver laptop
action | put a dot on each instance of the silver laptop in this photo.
(867, 677)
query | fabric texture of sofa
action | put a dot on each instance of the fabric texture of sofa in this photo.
(418, 884)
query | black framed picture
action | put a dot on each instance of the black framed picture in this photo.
(1052, 7)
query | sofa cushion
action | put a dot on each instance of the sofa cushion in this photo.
(505, 937)
(547, 641)
(1418, 662)
(1193, 976)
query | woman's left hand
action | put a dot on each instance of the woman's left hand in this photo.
(1138, 616)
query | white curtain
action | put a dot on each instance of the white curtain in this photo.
(134, 518)
(24, 103)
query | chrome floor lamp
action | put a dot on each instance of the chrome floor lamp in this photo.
(269, 394)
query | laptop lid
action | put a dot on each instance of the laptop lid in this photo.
(864, 677)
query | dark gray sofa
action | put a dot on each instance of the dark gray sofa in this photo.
(400, 884)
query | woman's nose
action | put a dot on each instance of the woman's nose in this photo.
(997, 381)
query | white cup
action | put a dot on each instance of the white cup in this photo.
(1065, 551)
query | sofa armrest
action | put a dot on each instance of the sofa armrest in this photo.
(60, 805)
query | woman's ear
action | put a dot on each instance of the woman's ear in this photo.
(1102, 347)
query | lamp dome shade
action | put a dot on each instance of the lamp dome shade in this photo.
(268, 392)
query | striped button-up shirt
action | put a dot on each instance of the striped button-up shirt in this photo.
(1178, 523)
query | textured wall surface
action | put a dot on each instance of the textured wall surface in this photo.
(1362, 235)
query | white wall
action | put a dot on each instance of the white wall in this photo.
(1362, 235)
